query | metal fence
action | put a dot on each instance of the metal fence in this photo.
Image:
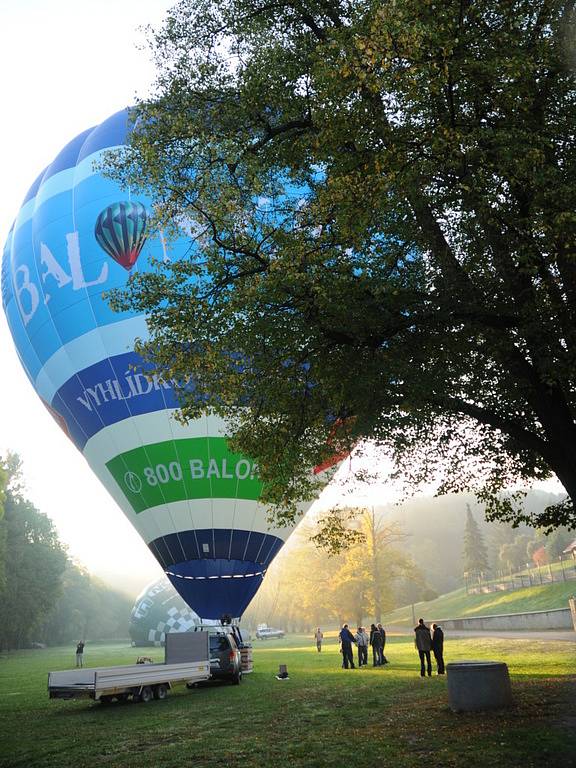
(563, 571)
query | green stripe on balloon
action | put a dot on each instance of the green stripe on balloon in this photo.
(176, 470)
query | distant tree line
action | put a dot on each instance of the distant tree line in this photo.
(44, 596)
(86, 609)
(436, 537)
(514, 550)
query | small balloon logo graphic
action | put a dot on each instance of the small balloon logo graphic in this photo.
(121, 231)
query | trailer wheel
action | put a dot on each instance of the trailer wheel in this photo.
(160, 691)
(146, 694)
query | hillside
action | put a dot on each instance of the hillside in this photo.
(456, 604)
(434, 528)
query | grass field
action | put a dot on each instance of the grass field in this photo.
(322, 716)
(456, 604)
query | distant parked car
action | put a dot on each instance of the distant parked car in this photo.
(264, 632)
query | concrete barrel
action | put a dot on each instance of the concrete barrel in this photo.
(478, 685)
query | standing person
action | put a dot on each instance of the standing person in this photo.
(438, 647)
(376, 643)
(80, 653)
(319, 636)
(346, 640)
(362, 638)
(383, 659)
(423, 642)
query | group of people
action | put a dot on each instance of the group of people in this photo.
(376, 640)
(426, 642)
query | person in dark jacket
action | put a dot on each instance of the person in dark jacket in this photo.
(383, 659)
(376, 643)
(423, 642)
(438, 647)
(346, 640)
(80, 653)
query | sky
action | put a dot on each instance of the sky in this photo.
(67, 65)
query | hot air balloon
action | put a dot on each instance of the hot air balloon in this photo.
(194, 502)
(159, 609)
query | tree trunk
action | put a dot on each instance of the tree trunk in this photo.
(375, 569)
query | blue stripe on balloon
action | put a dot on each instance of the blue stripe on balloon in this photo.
(223, 580)
(112, 132)
(33, 188)
(24, 348)
(64, 182)
(59, 184)
(214, 598)
(87, 350)
(67, 157)
(106, 393)
(224, 544)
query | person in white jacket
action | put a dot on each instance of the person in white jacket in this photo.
(362, 640)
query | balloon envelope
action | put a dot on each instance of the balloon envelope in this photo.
(194, 502)
(159, 609)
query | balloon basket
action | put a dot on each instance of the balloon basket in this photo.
(246, 656)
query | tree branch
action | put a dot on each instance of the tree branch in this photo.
(526, 438)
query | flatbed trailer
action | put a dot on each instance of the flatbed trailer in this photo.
(187, 661)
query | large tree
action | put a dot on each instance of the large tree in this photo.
(380, 197)
(309, 586)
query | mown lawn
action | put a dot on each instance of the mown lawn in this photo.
(457, 604)
(322, 716)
